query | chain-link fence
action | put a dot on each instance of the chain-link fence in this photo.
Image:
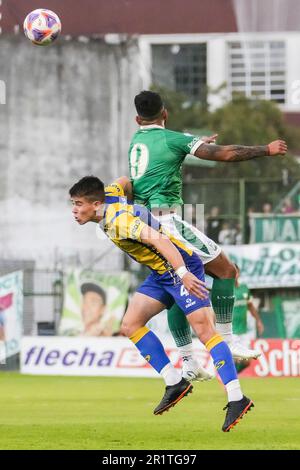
(228, 203)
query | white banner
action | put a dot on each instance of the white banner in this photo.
(115, 356)
(11, 314)
(265, 265)
(118, 357)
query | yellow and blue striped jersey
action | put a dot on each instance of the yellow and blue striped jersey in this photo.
(123, 224)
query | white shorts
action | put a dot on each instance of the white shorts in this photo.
(206, 249)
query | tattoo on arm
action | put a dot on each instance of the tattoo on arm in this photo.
(230, 153)
(242, 153)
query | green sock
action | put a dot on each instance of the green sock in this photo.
(179, 326)
(241, 366)
(222, 299)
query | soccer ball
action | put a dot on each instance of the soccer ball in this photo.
(42, 27)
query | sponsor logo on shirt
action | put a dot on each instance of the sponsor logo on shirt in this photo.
(135, 227)
(189, 302)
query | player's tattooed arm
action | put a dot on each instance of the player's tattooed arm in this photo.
(125, 182)
(239, 153)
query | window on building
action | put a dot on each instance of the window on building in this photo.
(257, 69)
(181, 67)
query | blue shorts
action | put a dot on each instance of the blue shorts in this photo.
(168, 288)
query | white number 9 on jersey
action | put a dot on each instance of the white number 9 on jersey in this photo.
(139, 159)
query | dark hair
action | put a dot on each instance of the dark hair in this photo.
(91, 287)
(89, 187)
(148, 105)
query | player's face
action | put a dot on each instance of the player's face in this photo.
(83, 210)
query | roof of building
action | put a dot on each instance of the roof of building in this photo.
(90, 17)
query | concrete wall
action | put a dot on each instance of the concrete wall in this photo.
(69, 112)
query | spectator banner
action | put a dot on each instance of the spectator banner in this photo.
(11, 314)
(274, 228)
(93, 356)
(267, 265)
(94, 303)
(287, 312)
(45, 355)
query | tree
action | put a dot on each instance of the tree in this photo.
(183, 113)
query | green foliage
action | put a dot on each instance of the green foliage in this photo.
(248, 122)
(183, 114)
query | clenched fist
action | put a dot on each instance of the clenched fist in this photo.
(278, 147)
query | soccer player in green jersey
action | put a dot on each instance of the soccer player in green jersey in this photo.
(156, 155)
(242, 305)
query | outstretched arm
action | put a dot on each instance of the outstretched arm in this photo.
(239, 153)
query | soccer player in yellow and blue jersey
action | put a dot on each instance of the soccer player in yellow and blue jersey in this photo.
(177, 276)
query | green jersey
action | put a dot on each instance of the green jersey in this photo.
(156, 155)
(242, 297)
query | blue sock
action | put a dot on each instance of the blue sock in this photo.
(222, 358)
(150, 348)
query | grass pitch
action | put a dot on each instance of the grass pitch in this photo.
(117, 413)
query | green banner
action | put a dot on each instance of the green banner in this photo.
(94, 303)
(274, 228)
(291, 317)
(265, 265)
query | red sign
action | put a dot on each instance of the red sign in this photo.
(279, 358)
